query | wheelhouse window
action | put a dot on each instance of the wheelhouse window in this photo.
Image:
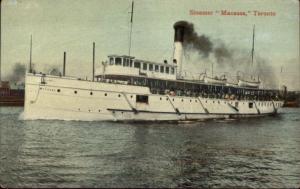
(150, 67)
(167, 70)
(126, 62)
(130, 62)
(162, 69)
(118, 61)
(111, 60)
(137, 64)
(172, 71)
(156, 68)
(142, 99)
(144, 66)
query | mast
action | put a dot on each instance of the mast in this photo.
(131, 19)
(64, 64)
(93, 79)
(252, 51)
(0, 38)
(30, 57)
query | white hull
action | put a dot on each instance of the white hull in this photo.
(56, 99)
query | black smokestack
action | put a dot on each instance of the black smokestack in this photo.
(185, 31)
(179, 33)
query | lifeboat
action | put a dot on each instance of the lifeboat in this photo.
(252, 84)
(215, 80)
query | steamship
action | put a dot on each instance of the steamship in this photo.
(131, 89)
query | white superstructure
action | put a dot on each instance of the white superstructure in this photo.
(126, 88)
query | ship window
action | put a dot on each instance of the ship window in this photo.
(156, 68)
(130, 63)
(137, 64)
(105, 94)
(150, 67)
(145, 66)
(58, 90)
(167, 70)
(172, 70)
(118, 61)
(162, 69)
(91, 93)
(250, 104)
(126, 62)
(111, 60)
(142, 99)
(75, 92)
(119, 95)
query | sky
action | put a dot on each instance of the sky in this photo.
(73, 25)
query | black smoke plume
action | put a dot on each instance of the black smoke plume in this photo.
(18, 73)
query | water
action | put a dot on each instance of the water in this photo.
(257, 152)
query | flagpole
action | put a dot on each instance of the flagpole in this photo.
(131, 19)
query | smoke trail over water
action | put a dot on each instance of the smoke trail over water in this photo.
(225, 59)
(18, 73)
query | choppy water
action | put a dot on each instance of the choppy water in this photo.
(257, 153)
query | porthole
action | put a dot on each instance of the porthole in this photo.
(131, 96)
(99, 110)
(205, 101)
(119, 95)
(89, 110)
(181, 100)
(75, 92)
(91, 93)
(105, 94)
(173, 99)
(213, 101)
(160, 98)
(190, 100)
(58, 90)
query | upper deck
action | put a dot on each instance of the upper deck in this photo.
(129, 66)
